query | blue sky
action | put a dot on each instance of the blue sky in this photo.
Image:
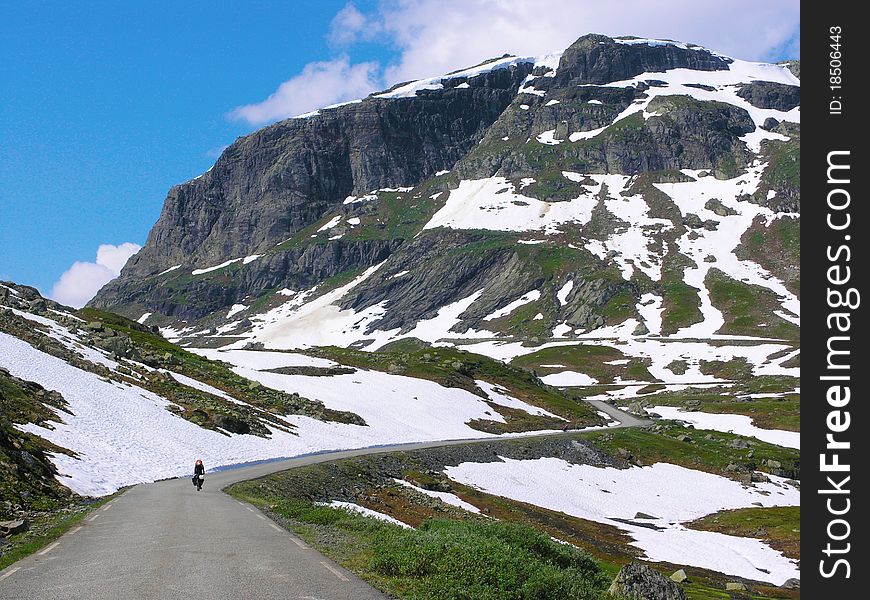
(104, 106)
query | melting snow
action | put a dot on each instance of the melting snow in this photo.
(526, 298)
(445, 497)
(670, 493)
(729, 423)
(362, 510)
(496, 202)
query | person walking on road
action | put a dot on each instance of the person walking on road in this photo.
(198, 474)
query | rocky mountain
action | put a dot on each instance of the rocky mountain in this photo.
(465, 256)
(623, 187)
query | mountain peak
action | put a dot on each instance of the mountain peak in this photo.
(599, 59)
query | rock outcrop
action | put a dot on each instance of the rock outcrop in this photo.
(641, 582)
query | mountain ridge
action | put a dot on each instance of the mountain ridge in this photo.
(606, 122)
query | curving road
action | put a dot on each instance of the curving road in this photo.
(165, 541)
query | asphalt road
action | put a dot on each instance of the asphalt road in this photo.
(165, 540)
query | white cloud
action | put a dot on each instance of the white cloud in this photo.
(431, 37)
(82, 280)
(350, 25)
(319, 84)
(435, 36)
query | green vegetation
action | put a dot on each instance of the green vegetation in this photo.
(552, 186)
(734, 369)
(46, 527)
(681, 303)
(779, 526)
(422, 563)
(784, 157)
(522, 323)
(777, 248)
(448, 559)
(774, 412)
(586, 358)
(748, 309)
(399, 216)
(27, 479)
(619, 308)
(710, 451)
(451, 367)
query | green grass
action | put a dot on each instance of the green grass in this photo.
(399, 215)
(45, 529)
(734, 369)
(217, 374)
(445, 559)
(27, 476)
(780, 526)
(781, 412)
(585, 358)
(423, 564)
(777, 248)
(785, 163)
(710, 455)
(619, 308)
(747, 309)
(553, 186)
(681, 305)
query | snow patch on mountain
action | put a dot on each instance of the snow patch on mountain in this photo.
(495, 203)
(672, 494)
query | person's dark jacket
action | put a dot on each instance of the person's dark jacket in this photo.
(199, 469)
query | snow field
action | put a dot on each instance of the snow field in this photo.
(483, 201)
(730, 423)
(670, 493)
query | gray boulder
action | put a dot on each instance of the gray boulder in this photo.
(8, 528)
(641, 582)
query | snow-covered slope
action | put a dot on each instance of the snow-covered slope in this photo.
(130, 416)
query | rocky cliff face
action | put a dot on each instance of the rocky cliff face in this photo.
(575, 192)
(271, 184)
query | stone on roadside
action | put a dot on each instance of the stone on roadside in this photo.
(679, 576)
(8, 528)
(637, 580)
